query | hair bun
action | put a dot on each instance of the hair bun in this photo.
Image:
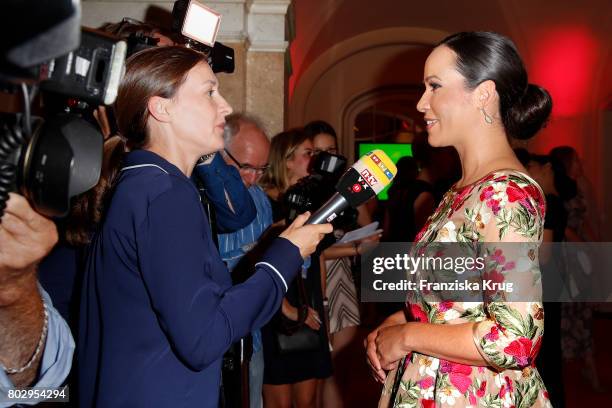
(529, 114)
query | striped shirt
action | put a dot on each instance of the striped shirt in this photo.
(234, 245)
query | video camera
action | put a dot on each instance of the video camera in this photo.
(198, 26)
(194, 25)
(313, 191)
(50, 161)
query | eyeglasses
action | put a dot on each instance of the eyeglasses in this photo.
(331, 150)
(247, 167)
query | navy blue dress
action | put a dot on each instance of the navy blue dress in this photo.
(158, 308)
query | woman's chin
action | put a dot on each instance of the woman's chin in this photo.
(216, 145)
(432, 140)
(435, 140)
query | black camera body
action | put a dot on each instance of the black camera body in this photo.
(90, 73)
(313, 191)
(49, 161)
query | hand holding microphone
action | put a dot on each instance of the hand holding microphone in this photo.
(362, 181)
(366, 178)
(305, 237)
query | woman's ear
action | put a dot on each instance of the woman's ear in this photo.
(289, 164)
(485, 94)
(158, 108)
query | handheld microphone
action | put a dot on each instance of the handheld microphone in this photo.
(362, 181)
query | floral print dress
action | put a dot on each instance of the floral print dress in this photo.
(504, 206)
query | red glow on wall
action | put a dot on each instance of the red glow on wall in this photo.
(297, 56)
(564, 63)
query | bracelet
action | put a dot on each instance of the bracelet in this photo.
(39, 347)
(356, 248)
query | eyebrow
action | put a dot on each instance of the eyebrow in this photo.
(431, 77)
(210, 81)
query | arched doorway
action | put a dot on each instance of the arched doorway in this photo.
(378, 67)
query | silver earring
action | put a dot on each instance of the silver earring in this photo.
(487, 117)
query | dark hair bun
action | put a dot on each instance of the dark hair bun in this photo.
(529, 114)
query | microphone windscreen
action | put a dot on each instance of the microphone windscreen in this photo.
(376, 169)
(366, 178)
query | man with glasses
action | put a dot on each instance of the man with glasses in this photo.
(247, 148)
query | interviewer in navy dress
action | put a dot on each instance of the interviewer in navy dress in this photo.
(158, 308)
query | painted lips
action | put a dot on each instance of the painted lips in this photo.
(430, 123)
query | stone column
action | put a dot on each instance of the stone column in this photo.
(265, 62)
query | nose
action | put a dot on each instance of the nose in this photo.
(249, 178)
(423, 103)
(223, 107)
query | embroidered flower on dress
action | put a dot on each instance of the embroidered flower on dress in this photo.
(428, 366)
(481, 390)
(448, 233)
(448, 395)
(481, 219)
(506, 391)
(493, 334)
(459, 200)
(520, 349)
(495, 197)
(418, 314)
(428, 403)
(458, 374)
(446, 305)
(427, 387)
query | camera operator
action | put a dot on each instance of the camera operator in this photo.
(247, 148)
(46, 161)
(35, 343)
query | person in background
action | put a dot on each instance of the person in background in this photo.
(341, 297)
(470, 352)
(35, 343)
(412, 201)
(577, 317)
(558, 187)
(293, 378)
(290, 154)
(582, 225)
(325, 139)
(522, 155)
(158, 306)
(323, 135)
(247, 148)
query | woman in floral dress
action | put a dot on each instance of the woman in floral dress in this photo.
(477, 353)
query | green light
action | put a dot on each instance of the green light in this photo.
(395, 151)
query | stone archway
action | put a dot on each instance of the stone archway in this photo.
(377, 64)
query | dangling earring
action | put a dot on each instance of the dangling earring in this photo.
(487, 117)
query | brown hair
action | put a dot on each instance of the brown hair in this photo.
(157, 71)
(282, 147)
(566, 155)
(88, 208)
